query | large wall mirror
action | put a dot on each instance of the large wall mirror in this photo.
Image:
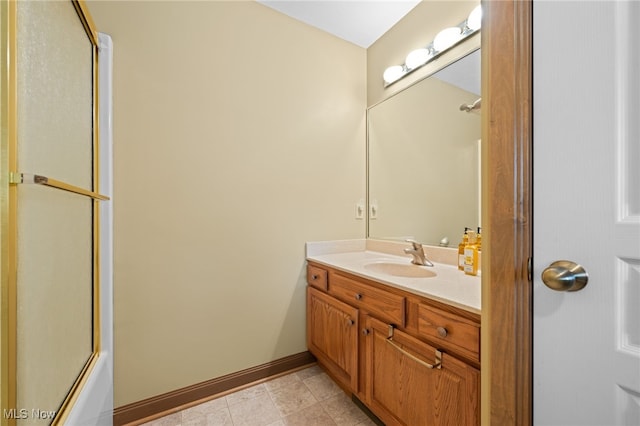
(424, 157)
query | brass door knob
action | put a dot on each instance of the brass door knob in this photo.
(564, 275)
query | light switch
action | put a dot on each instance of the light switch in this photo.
(373, 210)
(360, 209)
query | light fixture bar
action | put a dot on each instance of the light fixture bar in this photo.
(443, 41)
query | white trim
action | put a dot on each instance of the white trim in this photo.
(94, 405)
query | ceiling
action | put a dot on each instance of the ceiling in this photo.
(361, 22)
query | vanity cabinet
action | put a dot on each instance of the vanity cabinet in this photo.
(411, 360)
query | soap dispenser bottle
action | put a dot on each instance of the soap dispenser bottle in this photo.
(461, 247)
(471, 255)
(479, 239)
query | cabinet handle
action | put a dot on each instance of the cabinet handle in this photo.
(314, 277)
(365, 331)
(350, 321)
(437, 365)
(442, 332)
(358, 296)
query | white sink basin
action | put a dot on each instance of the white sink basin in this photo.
(407, 270)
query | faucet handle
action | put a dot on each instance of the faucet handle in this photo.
(416, 245)
(417, 251)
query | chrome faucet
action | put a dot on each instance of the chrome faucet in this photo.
(418, 254)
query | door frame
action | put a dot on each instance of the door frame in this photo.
(507, 290)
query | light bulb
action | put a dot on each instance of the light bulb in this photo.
(393, 73)
(417, 58)
(474, 21)
(447, 38)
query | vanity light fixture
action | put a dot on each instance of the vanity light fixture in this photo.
(418, 58)
(443, 41)
(447, 38)
(474, 21)
(394, 73)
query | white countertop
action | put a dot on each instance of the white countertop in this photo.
(450, 285)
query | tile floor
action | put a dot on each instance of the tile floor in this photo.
(304, 398)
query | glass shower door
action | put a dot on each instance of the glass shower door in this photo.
(52, 219)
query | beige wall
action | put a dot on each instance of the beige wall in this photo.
(416, 30)
(238, 135)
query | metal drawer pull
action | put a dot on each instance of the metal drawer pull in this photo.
(18, 178)
(358, 296)
(314, 277)
(442, 332)
(437, 365)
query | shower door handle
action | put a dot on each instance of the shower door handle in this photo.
(19, 178)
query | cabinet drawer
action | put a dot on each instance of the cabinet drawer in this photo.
(382, 304)
(449, 331)
(317, 277)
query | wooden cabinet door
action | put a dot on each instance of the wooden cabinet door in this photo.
(403, 390)
(332, 336)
